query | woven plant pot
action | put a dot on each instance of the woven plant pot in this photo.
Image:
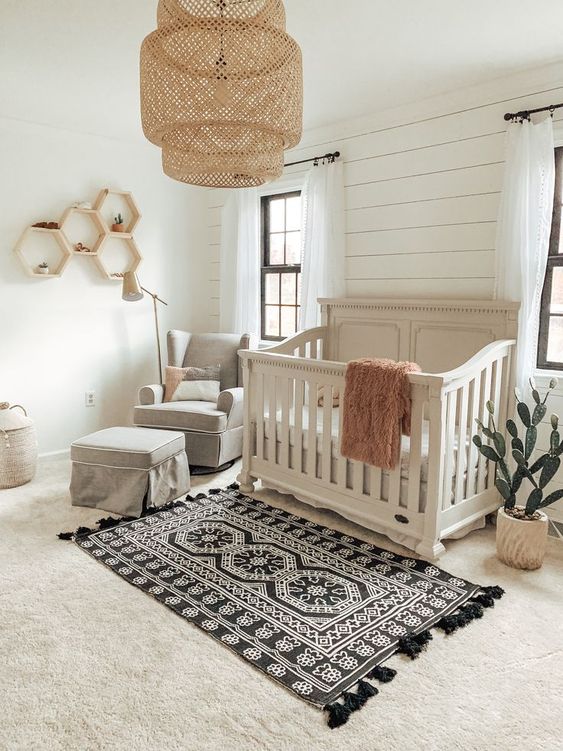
(521, 543)
(18, 448)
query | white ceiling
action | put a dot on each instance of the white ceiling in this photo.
(75, 64)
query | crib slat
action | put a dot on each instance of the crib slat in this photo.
(260, 411)
(395, 485)
(484, 417)
(497, 380)
(473, 414)
(298, 429)
(327, 433)
(341, 461)
(461, 446)
(374, 474)
(417, 416)
(272, 414)
(451, 400)
(312, 430)
(358, 478)
(313, 349)
(284, 438)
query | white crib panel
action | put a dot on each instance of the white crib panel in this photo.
(342, 467)
(395, 485)
(495, 388)
(358, 478)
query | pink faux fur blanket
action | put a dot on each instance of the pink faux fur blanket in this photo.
(377, 409)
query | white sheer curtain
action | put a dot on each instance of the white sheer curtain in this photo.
(323, 240)
(523, 231)
(240, 263)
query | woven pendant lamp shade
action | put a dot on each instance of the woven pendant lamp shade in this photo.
(222, 90)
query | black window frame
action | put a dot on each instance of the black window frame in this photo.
(269, 268)
(554, 261)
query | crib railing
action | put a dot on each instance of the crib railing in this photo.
(293, 426)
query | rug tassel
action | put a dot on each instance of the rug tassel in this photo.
(337, 715)
(353, 702)
(233, 486)
(366, 690)
(413, 644)
(459, 619)
(382, 674)
(65, 535)
(487, 596)
(214, 491)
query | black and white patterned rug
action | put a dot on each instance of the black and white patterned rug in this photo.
(315, 609)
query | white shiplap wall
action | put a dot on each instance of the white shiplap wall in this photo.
(422, 191)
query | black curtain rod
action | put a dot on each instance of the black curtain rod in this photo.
(525, 114)
(330, 157)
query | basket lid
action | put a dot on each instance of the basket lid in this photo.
(13, 417)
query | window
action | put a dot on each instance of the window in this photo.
(550, 343)
(281, 265)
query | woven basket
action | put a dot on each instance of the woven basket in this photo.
(18, 452)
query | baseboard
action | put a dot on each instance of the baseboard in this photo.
(63, 453)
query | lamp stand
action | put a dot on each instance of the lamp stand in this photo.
(156, 298)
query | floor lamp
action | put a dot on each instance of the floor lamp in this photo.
(132, 291)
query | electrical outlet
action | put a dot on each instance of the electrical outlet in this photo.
(90, 398)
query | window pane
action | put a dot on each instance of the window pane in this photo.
(293, 213)
(272, 292)
(277, 215)
(272, 327)
(276, 250)
(557, 291)
(293, 248)
(288, 289)
(555, 341)
(287, 321)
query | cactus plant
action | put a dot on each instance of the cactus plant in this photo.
(521, 449)
(118, 219)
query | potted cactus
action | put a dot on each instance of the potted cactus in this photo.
(118, 225)
(43, 268)
(522, 529)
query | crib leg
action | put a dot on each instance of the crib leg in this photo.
(430, 549)
(246, 482)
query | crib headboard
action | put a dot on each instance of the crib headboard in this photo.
(437, 334)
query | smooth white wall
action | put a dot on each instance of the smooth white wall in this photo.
(61, 337)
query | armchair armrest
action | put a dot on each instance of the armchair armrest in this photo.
(151, 394)
(231, 401)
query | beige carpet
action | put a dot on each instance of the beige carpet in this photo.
(88, 662)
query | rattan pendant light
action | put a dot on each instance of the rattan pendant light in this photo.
(222, 90)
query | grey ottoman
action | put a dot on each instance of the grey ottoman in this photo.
(123, 469)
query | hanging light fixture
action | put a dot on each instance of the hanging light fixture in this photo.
(222, 90)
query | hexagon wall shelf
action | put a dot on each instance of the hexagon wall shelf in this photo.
(125, 250)
(110, 202)
(49, 237)
(97, 227)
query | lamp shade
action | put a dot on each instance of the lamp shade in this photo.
(131, 290)
(222, 90)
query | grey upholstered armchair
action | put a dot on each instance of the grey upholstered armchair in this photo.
(213, 431)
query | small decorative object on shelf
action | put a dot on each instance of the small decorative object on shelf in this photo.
(18, 447)
(46, 225)
(118, 225)
(43, 268)
(81, 205)
(522, 530)
(80, 248)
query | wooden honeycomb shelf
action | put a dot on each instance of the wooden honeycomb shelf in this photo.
(101, 229)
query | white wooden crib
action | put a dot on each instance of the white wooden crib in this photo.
(442, 486)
